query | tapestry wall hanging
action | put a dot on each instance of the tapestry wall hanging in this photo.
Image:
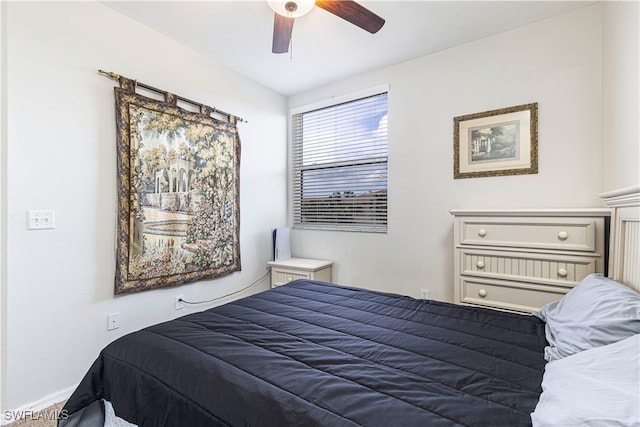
(178, 191)
(495, 143)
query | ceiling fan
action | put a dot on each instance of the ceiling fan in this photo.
(287, 11)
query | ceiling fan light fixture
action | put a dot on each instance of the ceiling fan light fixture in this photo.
(292, 9)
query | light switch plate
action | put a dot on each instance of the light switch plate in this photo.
(113, 321)
(41, 219)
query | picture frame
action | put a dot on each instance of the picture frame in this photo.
(496, 143)
(178, 193)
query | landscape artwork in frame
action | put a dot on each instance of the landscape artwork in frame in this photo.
(496, 142)
(178, 194)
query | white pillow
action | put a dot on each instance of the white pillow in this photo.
(597, 387)
(599, 311)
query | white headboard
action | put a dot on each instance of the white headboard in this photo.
(624, 254)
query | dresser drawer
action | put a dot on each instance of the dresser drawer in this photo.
(550, 269)
(572, 234)
(288, 270)
(508, 296)
(280, 276)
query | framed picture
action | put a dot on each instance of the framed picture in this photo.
(497, 142)
(178, 193)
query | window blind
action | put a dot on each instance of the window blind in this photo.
(340, 166)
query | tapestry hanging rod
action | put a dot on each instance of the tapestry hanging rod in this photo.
(232, 118)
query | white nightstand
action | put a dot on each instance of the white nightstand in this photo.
(288, 270)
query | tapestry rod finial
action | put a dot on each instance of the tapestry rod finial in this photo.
(109, 74)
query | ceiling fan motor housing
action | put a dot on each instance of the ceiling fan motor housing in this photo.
(291, 6)
(287, 11)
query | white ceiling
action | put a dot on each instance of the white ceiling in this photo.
(326, 48)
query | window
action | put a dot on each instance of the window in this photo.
(340, 166)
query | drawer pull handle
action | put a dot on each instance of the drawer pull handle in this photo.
(480, 264)
(563, 235)
(482, 293)
(563, 272)
(482, 232)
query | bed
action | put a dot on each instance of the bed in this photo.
(315, 353)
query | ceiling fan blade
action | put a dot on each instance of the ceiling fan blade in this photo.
(353, 12)
(282, 28)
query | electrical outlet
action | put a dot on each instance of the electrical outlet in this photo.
(179, 302)
(113, 321)
(424, 293)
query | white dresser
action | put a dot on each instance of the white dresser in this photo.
(518, 260)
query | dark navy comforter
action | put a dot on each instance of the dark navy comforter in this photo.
(312, 353)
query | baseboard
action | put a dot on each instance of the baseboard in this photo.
(29, 409)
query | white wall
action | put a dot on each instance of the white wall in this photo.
(556, 63)
(3, 115)
(61, 155)
(620, 95)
